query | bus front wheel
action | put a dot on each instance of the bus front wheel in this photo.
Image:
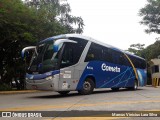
(88, 87)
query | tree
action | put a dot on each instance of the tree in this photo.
(24, 25)
(57, 11)
(151, 16)
(148, 53)
(136, 49)
(15, 33)
(152, 51)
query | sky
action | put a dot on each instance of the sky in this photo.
(115, 22)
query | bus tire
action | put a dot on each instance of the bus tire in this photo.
(63, 92)
(115, 89)
(135, 87)
(88, 87)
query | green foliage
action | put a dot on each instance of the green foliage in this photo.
(150, 14)
(136, 49)
(150, 52)
(55, 11)
(4, 87)
(24, 25)
(138, 46)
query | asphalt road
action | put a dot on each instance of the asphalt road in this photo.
(103, 101)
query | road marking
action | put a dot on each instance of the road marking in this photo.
(45, 107)
(17, 92)
(154, 97)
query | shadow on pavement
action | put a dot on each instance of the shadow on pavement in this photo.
(72, 94)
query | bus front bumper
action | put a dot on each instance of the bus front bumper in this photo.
(40, 85)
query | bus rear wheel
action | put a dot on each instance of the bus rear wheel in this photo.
(88, 87)
(63, 92)
(135, 87)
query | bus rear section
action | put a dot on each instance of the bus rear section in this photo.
(111, 68)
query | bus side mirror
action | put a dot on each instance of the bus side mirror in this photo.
(27, 48)
(58, 42)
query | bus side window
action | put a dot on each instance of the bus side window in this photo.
(90, 56)
(115, 56)
(138, 63)
(72, 52)
(94, 53)
(123, 60)
(107, 55)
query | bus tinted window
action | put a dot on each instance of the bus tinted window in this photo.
(94, 52)
(72, 52)
(107, 54)
(123, 60)
(138, 63)
(115, 57)
(98, 52)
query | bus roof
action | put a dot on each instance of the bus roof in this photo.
(89, 39)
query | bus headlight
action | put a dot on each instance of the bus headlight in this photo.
(49, 78)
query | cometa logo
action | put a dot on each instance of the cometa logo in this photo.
(110, 68)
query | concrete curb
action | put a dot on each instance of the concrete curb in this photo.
(18, 92)
(151, 86)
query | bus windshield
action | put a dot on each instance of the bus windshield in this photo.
(44, 58)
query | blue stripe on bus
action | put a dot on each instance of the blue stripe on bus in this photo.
(42, 76)
(111, 78)
(120, 78)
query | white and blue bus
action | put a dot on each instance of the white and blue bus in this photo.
(73, 62)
